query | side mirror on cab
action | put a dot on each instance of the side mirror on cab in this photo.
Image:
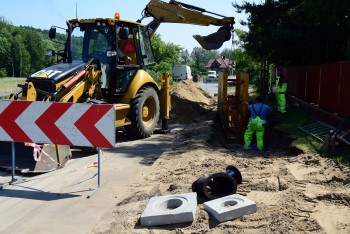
(52, 33)
(50, 53)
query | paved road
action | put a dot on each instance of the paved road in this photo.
(4, 95)
(211, 88)
(56, 202)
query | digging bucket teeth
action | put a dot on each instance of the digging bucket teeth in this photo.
(34, 158)
(215, 40)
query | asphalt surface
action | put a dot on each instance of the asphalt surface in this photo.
(4, 95)
(56, 202)
(211, 87)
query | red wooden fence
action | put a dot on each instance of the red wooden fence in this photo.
(325, 85)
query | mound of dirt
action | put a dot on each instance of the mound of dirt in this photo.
(294, 194)
(189, 103)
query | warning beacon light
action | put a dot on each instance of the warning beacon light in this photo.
(117, 16)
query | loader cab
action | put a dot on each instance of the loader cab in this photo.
(119, 48)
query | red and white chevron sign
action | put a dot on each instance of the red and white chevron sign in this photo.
(58, 123)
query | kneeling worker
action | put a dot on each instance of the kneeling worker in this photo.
(259, 113)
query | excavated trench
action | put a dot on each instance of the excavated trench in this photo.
(276, 139)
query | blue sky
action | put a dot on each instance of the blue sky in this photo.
(45, 13)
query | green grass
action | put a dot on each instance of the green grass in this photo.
(9, 84)
(297, 117)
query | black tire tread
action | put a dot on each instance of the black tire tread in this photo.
(137, 129)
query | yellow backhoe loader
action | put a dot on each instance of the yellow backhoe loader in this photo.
(102, 62)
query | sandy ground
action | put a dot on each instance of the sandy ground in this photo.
(294, 194)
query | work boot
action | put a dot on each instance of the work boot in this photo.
(263, 153)
(254, 147)
(246, 148)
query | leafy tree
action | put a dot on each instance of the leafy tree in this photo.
(5, 43)
(5, 48)
(185, 56)
(23, 49)
(298, 32)
(165, 55)
(228, 53)
(243, 61)
(3, 72)
(36, 48)
(20, 57)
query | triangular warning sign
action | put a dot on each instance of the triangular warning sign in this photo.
(128, 47)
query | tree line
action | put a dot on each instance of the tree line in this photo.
(23, 49)
(298, 32)
(295, 32)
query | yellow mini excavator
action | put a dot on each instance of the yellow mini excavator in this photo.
(103, 62)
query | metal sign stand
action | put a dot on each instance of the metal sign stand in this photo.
(13, 163)
(98, 173)
(12, 168)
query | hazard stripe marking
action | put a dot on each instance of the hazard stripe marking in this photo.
(58, 123)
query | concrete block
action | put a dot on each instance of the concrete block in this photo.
(230, 207)
(170, 209)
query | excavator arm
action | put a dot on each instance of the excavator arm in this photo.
(177, 12)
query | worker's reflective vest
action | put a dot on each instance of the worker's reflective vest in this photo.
(257, 120)
(281, 89)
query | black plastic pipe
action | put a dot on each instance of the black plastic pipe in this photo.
(215, 186)
(235, 173)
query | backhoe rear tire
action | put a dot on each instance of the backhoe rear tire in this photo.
(143, 114)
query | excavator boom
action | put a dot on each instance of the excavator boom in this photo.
(177, 12)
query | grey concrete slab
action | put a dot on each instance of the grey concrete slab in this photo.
(170, 209)
(230, 207)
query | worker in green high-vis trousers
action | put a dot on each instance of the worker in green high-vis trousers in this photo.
(281, 96)
(281, 89)
(259, 113)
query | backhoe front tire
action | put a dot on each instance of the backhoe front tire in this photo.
(143, 114)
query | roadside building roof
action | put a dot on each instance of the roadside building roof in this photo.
(220, 63)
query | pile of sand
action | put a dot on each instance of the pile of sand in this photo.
(189, 90)
(294, 194)
(189, 103)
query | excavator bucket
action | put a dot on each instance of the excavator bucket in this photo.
(215, 40)
(34, 158)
